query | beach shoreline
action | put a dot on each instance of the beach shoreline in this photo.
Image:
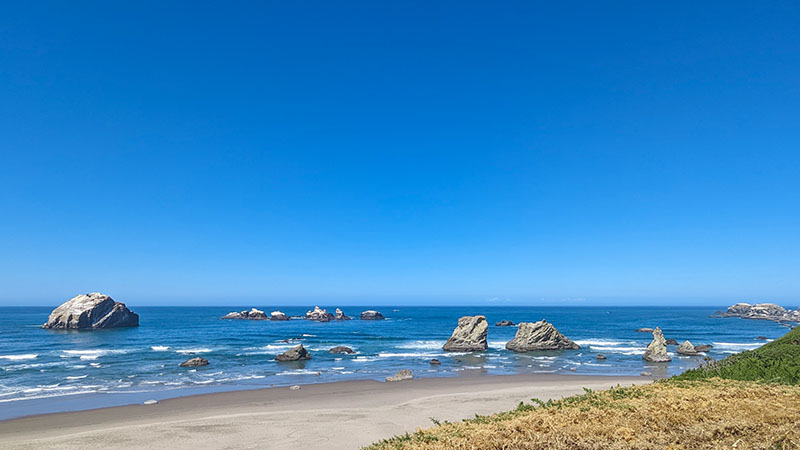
(336, 415)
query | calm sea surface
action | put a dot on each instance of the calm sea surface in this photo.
(48, 371)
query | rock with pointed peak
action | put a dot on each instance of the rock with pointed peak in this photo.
(539, 335)
(469, 335)
(657, 349)
(294, 354)
(686, 348)
(320, 315)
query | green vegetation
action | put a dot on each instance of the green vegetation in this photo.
(775, 362)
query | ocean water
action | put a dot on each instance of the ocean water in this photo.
(48, 371)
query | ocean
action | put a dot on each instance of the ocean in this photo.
(44, 371)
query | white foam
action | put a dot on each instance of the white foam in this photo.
(89, 354)
(78, 377)
(497, 345)
(423, 345)
(736, 345)
(189, 351)
(409, 355)
(298, 372)
(19, 357)
(309, 335)
(159, 348)
(602, 342)
(620, 350)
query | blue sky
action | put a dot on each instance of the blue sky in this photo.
(405, 153)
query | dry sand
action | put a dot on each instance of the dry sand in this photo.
(341, 415)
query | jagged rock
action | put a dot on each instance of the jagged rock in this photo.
(540, 335)
(277, 315)
(469, 335)
(601, 356)
(253, 314)
(195, 362)
(294, 354)
(657, 349)
(371, 315)
(340, 315)
(401, 375)
(703, 348)
(644, 330)
(762, 311)
(687, 349)
(435, 362)
(341, 349)
(91, 311)
(504, 323)
(672, 342)
(320, 315)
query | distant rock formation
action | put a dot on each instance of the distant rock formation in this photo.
(401, 375)
(91, 311)
(277, 315)
(672, 342)
(195, 362)
(371, 315)
(341, 349)
(469, 335)
(703, 348)
(761, 338)
(657, 349)
(294, 354)
(340, 315)
(540, 335)
(504, 323)
(644, 330)
(687, 349)
(761, 311)
(319, 315)
(253, 314)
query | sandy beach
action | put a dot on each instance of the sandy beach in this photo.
(341, 415)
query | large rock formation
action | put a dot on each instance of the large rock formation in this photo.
(91, 311)
(401, 375)
(469, 335)
(539, 336)
(371, 315)
(340, 315)
(657, 349)
(294, 354)
(195, 362)
(762, 311)
(687, 349)
(277, 315)
(320, 315)
(253, 314)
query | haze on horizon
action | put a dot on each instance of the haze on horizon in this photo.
(530, 153)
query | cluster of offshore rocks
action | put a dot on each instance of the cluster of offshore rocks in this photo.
(657, 349)
(471, 332)
(317, 314)
(760, 311)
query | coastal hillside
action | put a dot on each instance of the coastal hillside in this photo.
(748, 400)
(775, 362)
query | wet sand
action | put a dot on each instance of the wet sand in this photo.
(331, 416)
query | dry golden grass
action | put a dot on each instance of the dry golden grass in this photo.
(670, 414)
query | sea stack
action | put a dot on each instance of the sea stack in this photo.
(277, 315)
(657, 349)
(540, 335)
(371, 315)
(320, 315)
(687, 349)
(469, 335)
(294, 354)
(90, 312)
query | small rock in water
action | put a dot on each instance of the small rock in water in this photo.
(295, 388)
(761, 338)
(687, 349)
(672, 342)
(195, 362)
(647, 374)
(572, 369)
(504, 323)
(294, 354)
(601, 356)
(371, 315)
(401, 375)
(341, 349)
(150, 402)
(645, 330)
(702, 348)
(435, 362)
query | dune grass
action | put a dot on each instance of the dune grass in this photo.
(749, 400)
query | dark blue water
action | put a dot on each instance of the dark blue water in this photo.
(128, 365)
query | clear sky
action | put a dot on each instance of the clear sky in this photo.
(400, 152)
